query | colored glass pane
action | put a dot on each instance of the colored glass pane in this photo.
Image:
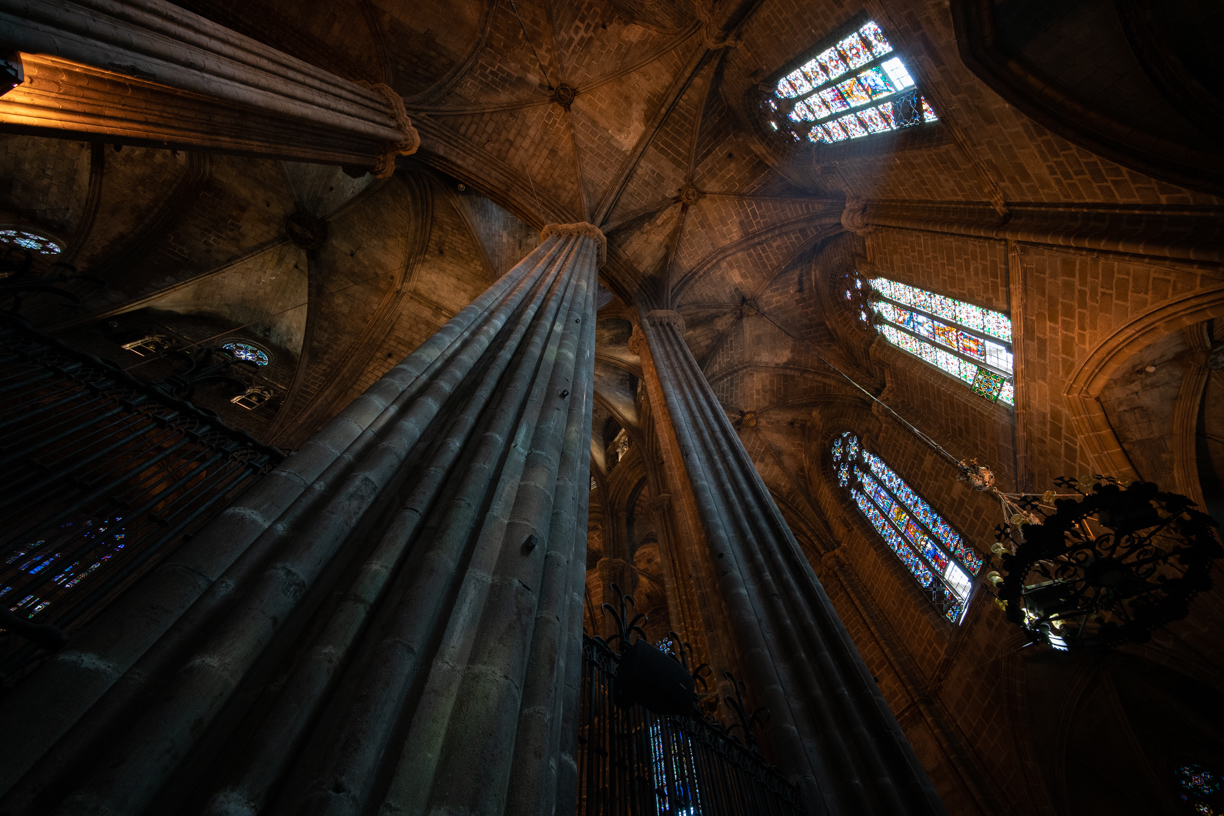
(856, 52)
(802, 113)
(1008, 395)
(787, 89)
(814, 74)
(854, 92)
(886, 113)
(245, 351)
(853, 126)
(876, 39)
(973, 317)
(997, 324)
(988, 384)
(928, 113)
(832, 63)
(876, 82)
(900, 77)
(818, 107)
(833, 99)
(874, 121)
(896, 544)
(836, 132)
(973, 346)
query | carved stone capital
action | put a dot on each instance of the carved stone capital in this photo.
(854, 217)
(580, 228)
(384, 163)
(666, 317)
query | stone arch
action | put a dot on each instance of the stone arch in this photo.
(1084, 387)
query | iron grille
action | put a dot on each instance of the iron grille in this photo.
(102, 476)
(632, 762)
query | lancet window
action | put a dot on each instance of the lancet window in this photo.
(940, 560)
(969, 342)
(854, 86)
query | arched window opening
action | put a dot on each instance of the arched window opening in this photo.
(969, 342)
(1201, 789)
(854, 86)
(33, 242)
(941, 561)
(246, 351)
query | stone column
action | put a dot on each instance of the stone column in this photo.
(149, 72)
(389, 622)
(829, 726)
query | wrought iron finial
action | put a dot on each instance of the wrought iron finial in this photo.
(747, 722)
(683, 652)
(625, 626)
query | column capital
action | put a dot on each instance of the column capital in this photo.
(579, 228)
(666, 317)
(384, 163)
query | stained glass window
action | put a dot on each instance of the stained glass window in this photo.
(245, 351)
(1201, 789)
(940, 560)
(674, 765)
(30, 241)
(969, 342)
(858, 73)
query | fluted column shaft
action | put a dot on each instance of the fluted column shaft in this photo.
(147, 71)
(391, 620)
(829, 728)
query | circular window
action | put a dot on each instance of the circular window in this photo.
(246, 351)
(28, 240)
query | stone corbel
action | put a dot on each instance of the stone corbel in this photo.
(384, 162)
(854, 217)
(580, 228)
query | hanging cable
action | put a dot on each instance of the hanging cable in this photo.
(928, 440)
(532, 45)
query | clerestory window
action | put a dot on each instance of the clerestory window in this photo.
(940, 560)
(969, 342)
(855, 86)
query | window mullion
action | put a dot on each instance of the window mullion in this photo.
(936, 570)
(956, 324)
(935, 540)
(955, 352)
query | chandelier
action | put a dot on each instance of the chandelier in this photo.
(1098, 561)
